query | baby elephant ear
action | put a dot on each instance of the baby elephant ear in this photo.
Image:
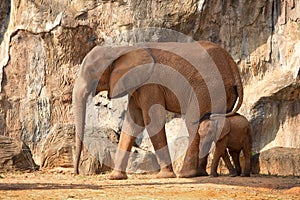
(204, 128)
(130, 70)
(207, 132)
(223, 128)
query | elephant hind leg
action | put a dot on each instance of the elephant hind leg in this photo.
(191, 160)
(247, 155)
(246, 171)
(236, 160)
(247, 147)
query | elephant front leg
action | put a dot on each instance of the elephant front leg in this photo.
(154, 118)
(202, 166)
(133, 124)
(219, 151)
(214, 165)
(121, 158)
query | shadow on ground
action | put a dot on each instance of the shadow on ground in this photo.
(269, 182)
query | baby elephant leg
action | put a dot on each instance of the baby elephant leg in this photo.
(247, 152)
(219, 151)
(236, 160)
(202, 166)
(247, 155)
(232, 170)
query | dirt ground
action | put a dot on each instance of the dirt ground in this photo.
(53, 185)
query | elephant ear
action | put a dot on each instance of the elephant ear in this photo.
(130, 70)
(204, 128)
(207, 132)
(219, 127)
(222, 129)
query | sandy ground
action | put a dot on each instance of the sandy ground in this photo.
(47, 185)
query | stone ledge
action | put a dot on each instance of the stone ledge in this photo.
(278, 161)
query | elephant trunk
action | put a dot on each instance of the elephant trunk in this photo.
(80, 94)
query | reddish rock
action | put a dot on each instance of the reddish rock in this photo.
(15, 155)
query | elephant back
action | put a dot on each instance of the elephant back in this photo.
(208, 69)
(228, 68)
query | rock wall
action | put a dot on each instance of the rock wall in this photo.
(43, 43)
(263, 38)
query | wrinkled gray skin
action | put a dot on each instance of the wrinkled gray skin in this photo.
(236, 135)
(186, 78)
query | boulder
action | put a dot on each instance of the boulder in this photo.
(99, 147)
(277, 161)
(57, 149)
(142, 161)
(15, 155)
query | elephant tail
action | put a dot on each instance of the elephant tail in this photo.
(240, 94)
(238, 86)
(239, 90)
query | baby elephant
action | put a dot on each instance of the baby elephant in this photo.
(235, 134)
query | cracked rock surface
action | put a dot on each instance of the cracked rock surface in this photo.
(42, 43)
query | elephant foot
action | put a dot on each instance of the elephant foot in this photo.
(202, 173)
(214, 175)
(188, 174)
(233, 174)
(117, 175)
(166, 174)
(245, 175)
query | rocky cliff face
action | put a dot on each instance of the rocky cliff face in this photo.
(43, 43)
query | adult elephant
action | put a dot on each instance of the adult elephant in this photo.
(193, 79)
